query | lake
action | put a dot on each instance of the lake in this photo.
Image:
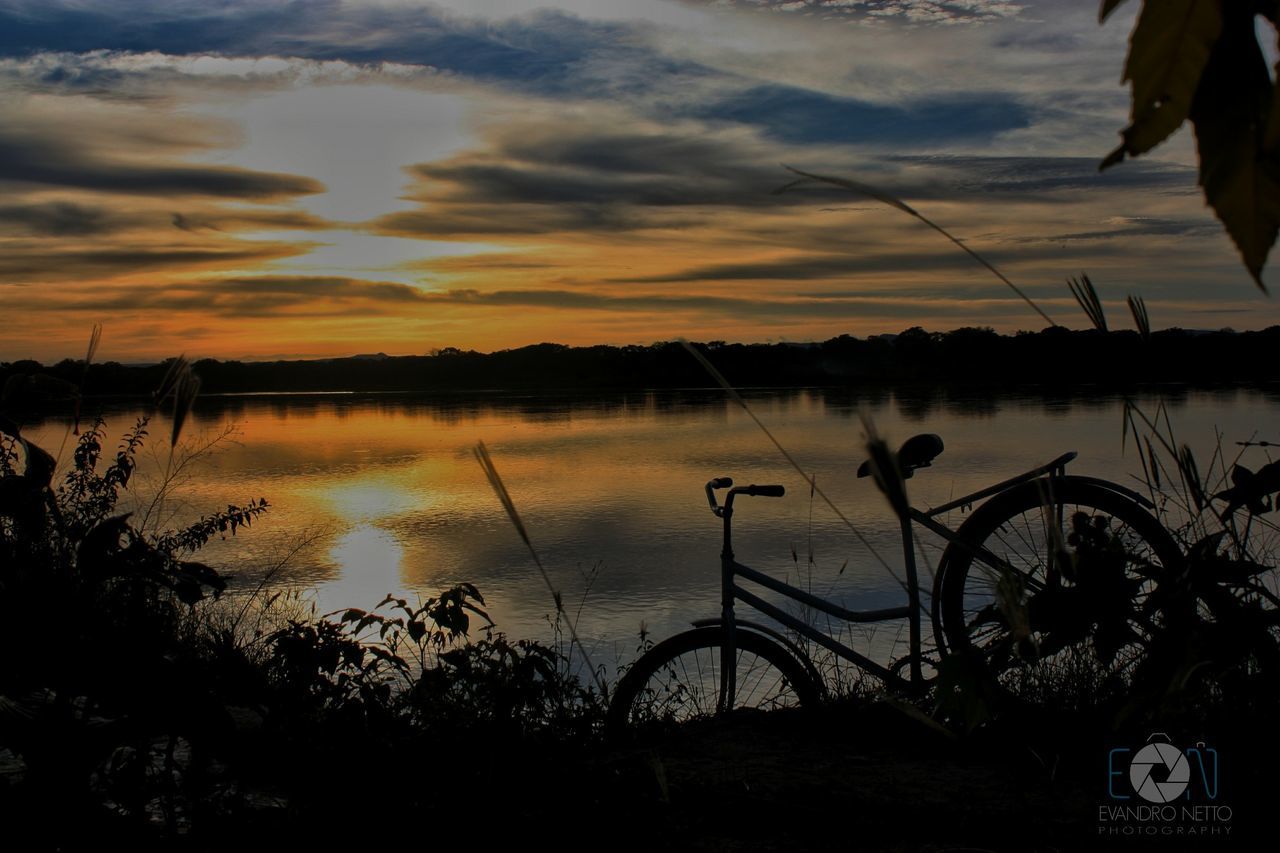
(375, 494)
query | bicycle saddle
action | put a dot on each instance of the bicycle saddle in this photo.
(919, 451)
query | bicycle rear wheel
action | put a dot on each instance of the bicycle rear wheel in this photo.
(1050, 584)
(678, 680)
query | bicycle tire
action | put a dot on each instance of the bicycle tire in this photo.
(678, 680)
(1078, 619)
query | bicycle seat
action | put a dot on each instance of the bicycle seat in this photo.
(919, 451)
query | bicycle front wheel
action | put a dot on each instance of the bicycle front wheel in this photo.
(1050, 583)
(678, 680)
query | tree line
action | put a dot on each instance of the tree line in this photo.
(971, 356)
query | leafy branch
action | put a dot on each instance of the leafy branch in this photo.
(1201, 60)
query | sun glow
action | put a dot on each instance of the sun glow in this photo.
(369, 560)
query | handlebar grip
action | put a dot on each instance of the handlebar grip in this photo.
(766, 491)
(720, 483)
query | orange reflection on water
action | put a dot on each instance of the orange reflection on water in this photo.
(367, 559)
(390, 498)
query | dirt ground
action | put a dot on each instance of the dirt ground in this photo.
(875, 779)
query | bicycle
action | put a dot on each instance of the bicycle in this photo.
(1052, 574)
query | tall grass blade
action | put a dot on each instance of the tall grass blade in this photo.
(504, 497)
(184, 396)
(1191, 474)
(1138, 309)
(171, 378)
(886, 198)
(95, 337)
(885, 469)
(181, 383)
(812, 481)
(1155, 468)
(1087, 298)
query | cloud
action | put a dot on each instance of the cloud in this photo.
(338, 297)
(1127, 227)
(248, 296)
(720, 307)
(593, 176)
(948, 12)
(1037, 176)
(544, 50)
(616, 175)
(812, 267)
(610, 176)
(797, 115)
(61, 219)
(159, 78)
(53, 162)
(29, 263)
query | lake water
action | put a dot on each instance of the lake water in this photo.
(382, 494)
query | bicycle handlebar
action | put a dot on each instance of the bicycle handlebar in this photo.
(717, 483)
(764, 491)
(751, 491)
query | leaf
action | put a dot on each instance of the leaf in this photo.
(1108, 6)
(40, 465)
(18, 496)
(1168, 52)
(1241, 178)
(1272, 141)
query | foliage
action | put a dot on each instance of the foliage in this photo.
(150, 698)
(1200, 60)
(1218, 649)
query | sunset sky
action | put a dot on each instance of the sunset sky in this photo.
(263, 179)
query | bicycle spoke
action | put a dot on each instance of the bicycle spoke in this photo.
(679, 680)
(1057, 597)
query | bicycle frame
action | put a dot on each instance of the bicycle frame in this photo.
(731, 570)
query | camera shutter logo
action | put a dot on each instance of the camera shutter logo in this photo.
(1177, 772)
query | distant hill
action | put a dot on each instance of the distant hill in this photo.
(969, 356)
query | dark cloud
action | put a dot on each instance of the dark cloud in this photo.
(804, 307)
(583, 178)
(1030, 177)
(61, 219)
(917, 11)
(74, 219)
(546, 51)
(237, 220)
(257, 296)
(318, 297)
(38, 263)
(1143, 227)
(810, 267)
(27, 159)
(799, 116)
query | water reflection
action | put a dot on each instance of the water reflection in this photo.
(367, 558)
(385, 493)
